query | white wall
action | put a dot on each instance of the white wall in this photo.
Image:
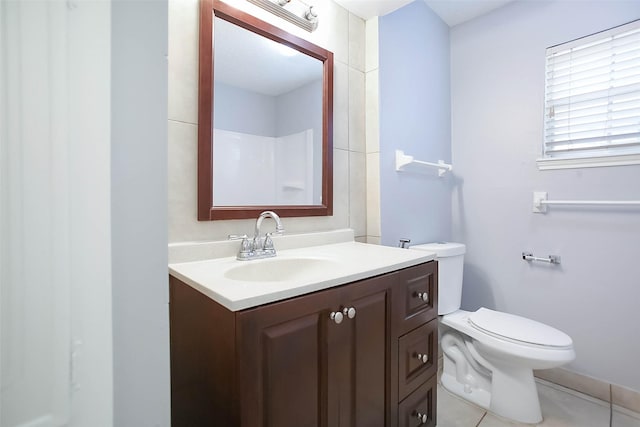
(497, 93)
(338, 31)
(245, 111)
(139, 213)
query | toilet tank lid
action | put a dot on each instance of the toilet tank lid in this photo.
(442, 249)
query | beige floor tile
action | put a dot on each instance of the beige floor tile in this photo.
(455, 412)
(571, 409)
(491, 420)
(562, 409)
(622, 417)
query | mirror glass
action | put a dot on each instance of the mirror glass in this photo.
(264, 119)
(267, 121)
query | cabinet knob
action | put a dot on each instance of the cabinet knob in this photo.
(422, 417)
(424, 358)
(349, 312)
(424, 296)
(336, 316)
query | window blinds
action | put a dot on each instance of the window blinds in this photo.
(592, 97)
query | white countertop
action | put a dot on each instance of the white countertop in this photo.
(348, 261)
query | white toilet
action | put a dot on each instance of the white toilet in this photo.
(489, 356)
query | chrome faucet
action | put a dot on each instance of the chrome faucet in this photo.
(258, 247)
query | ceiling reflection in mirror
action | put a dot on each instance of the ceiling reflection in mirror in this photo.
(267, 121)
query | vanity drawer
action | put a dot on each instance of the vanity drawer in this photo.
(419, 408)
(417, 359)
(415, 297)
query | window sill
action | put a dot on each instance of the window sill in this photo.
(588, 162)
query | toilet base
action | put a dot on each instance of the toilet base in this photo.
(508, 391)
(474, 395)
(509, 398)
(518, 396)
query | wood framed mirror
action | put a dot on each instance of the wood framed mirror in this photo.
(265, 119)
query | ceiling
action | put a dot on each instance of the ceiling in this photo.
(367, 9)
(246, 60)
(453, 12)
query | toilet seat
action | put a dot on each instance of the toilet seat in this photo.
(518, 329)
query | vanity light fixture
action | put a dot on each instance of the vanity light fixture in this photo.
(306, 16)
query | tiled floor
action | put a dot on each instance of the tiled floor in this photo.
(560, 408)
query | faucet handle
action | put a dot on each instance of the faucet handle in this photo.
(237, 236)
(246, 246)
(267, 245)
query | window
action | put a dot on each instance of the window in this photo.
(592, 101)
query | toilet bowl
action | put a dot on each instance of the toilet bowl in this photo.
(489, 356)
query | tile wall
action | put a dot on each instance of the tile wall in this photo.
(372, 131)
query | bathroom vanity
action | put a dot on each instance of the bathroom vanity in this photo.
(358, 353)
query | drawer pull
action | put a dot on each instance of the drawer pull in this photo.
(424, 358)
(422, 417)
(349, 312)
(336, 316)
(424, 296)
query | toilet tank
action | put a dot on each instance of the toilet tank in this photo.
(450, 258)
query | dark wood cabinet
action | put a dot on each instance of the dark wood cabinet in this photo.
(419, 408)
(418, 353)
(414, 331)
(329, 358)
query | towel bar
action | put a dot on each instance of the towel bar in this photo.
(552, 259)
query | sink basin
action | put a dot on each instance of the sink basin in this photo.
(279, 269)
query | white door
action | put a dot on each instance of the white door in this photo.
(55, 280)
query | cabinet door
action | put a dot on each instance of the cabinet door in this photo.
(365, 354)
(282, 362)
(370, 360)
